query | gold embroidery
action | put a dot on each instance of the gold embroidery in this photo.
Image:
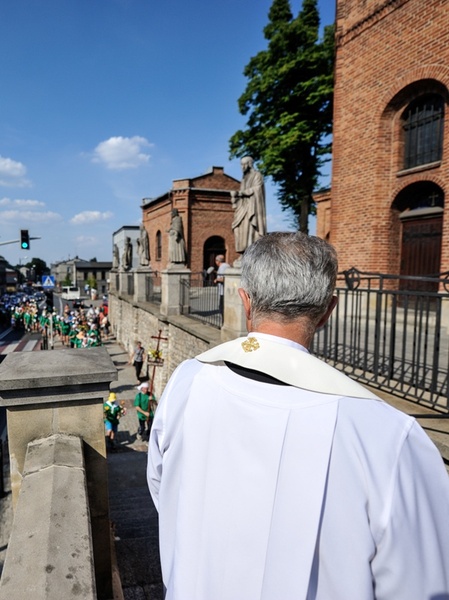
(250, 345)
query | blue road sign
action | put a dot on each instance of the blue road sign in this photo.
(48, 281)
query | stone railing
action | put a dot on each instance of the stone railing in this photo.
(60, 545)
(50, 552)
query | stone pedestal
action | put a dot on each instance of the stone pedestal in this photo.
(62, 391)
(114, 281)
(234, 322)
(123, 279)
(140, 276)
(175, 286)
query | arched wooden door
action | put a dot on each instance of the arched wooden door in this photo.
(421, 251)
(422, 207)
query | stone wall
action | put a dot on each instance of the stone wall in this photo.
(185, 337)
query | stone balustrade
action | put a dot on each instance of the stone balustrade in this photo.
(50, 553)
(54, 403)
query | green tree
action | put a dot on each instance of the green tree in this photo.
(92, 282)
(288, 103)
(38, 267)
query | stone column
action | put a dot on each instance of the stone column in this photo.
(62, 391)
(175, 284)
(140, 283)
(234, 321)
(123, 279)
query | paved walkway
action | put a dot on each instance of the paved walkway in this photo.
(132, 511)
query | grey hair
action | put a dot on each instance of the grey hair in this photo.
(289, 275)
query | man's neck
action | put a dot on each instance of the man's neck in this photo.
(296, 331)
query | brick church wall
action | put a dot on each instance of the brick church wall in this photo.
(384, 48)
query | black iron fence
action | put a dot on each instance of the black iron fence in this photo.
(387, 335)
(202, 300)
(153, 287)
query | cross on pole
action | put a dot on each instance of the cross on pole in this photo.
(159, 338)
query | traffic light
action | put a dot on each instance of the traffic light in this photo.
(24, 239)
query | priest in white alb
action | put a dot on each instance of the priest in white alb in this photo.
(276, 477)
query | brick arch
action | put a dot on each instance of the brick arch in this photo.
(390, 109)
(436, 73)
(417, 178)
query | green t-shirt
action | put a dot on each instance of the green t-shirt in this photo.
(112, 412)
(143, 401)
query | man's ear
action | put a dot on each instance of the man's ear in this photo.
(246, 302)
(327, 314)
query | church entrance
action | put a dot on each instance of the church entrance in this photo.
(421, 251)
(212, 246)
(422, 206)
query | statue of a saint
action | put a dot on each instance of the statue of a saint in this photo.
(176, 243)
(143, 247)
(127, 259)
(115, 257)
(250, 222)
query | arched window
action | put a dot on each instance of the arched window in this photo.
(423, 123)
(158, 245)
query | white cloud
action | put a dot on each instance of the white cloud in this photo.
(28, 216)
(12, 173)
(30, 203)
(90, 216)
(119, 153)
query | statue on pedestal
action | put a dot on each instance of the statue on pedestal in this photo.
(115, 257)
(143, 247)
(127, 258)
(176, 243)
(250, 222)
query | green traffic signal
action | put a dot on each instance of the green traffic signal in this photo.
(24, 239)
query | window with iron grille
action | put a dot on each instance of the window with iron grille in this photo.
(423, 123)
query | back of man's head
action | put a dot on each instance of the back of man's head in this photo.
(289, 275)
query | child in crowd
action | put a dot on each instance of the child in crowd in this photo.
(112, 413)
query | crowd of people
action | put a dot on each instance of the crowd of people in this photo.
(79, 328)
(75, 327)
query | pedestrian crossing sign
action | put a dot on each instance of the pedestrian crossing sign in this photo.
(48, 281)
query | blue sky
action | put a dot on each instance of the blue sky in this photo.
(105, 102)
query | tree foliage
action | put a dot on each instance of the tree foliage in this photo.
(38, 265)
(288, 103)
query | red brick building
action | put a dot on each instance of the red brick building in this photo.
(204, 204)
(390, 173)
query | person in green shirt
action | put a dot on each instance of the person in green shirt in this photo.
(112, 411)
(145, 407)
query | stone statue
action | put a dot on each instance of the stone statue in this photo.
(250, 222)
(127, 259)
(143, 247)
(115, 257)
(176, 243)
